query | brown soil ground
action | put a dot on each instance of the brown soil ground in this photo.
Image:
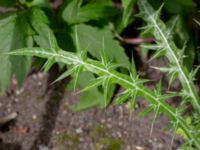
(45, 122)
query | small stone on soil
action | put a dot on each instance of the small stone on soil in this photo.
(79, 131)
(34, 117)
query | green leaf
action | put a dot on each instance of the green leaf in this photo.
(123, 97)
(32, 3)
(66, 74)
(52, 41)
(184, 39)
(49, 63)
(96, 67)
(179, 6)
(7, 3)
(132, 103)
(70, 12)
(91, 96)
(91, 11)
(173, 53)
(156, 109)
(76, 76)
(15, 32)
(88, 100)
(40, 23)
(92, 38)
(92, 84)
(148, 110)
(187, 2)
(95, 11)
(133, 70)
(128, 8)
(106, 88)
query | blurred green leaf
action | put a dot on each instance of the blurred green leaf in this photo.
(15, 32)
(127, 12)
(7, 3)
(70, 12)
(91, 38)
(40, 23)
(91, 11)
(179, 6)
(39, 3)
(187, 2)
(183, 38)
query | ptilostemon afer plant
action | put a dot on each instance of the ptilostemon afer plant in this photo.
(107, 74)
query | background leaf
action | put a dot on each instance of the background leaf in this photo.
(15, 32)
(40, 24)
(90, 98)
(92, 11)
(91, 38)
(70, 12)
(127, 11)
(7, 3)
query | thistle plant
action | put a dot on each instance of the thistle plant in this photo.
(166, 47)
(107, 74)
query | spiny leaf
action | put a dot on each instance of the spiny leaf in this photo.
(52, 41)
(104, 57)
(161, 32)
(127, 11)
(77, 73)
(169, 95)
(174, 133)
(134, 95)
(114, 77)
(193, 73)
(157, 109)
(90, 94)
(158, 89)
(66, 73)
(133, 70)
(77, 43)
(152, 46)
(173, 77)
(49, 63)
(83, 54)
(197, 22)
(94, 83)
(34, 51)
(159, 53)
(106, 85)
(123, 97)
(149, 109)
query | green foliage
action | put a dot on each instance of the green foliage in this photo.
(75, 13)
(80, 37)
(127, 12)
(156, 100)
(7, 3)
(21, 29)
(91, 39)
(15, 32)
(171, 51)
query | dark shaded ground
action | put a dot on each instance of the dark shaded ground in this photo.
(46, 122)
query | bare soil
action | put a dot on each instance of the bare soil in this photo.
(45, 122)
